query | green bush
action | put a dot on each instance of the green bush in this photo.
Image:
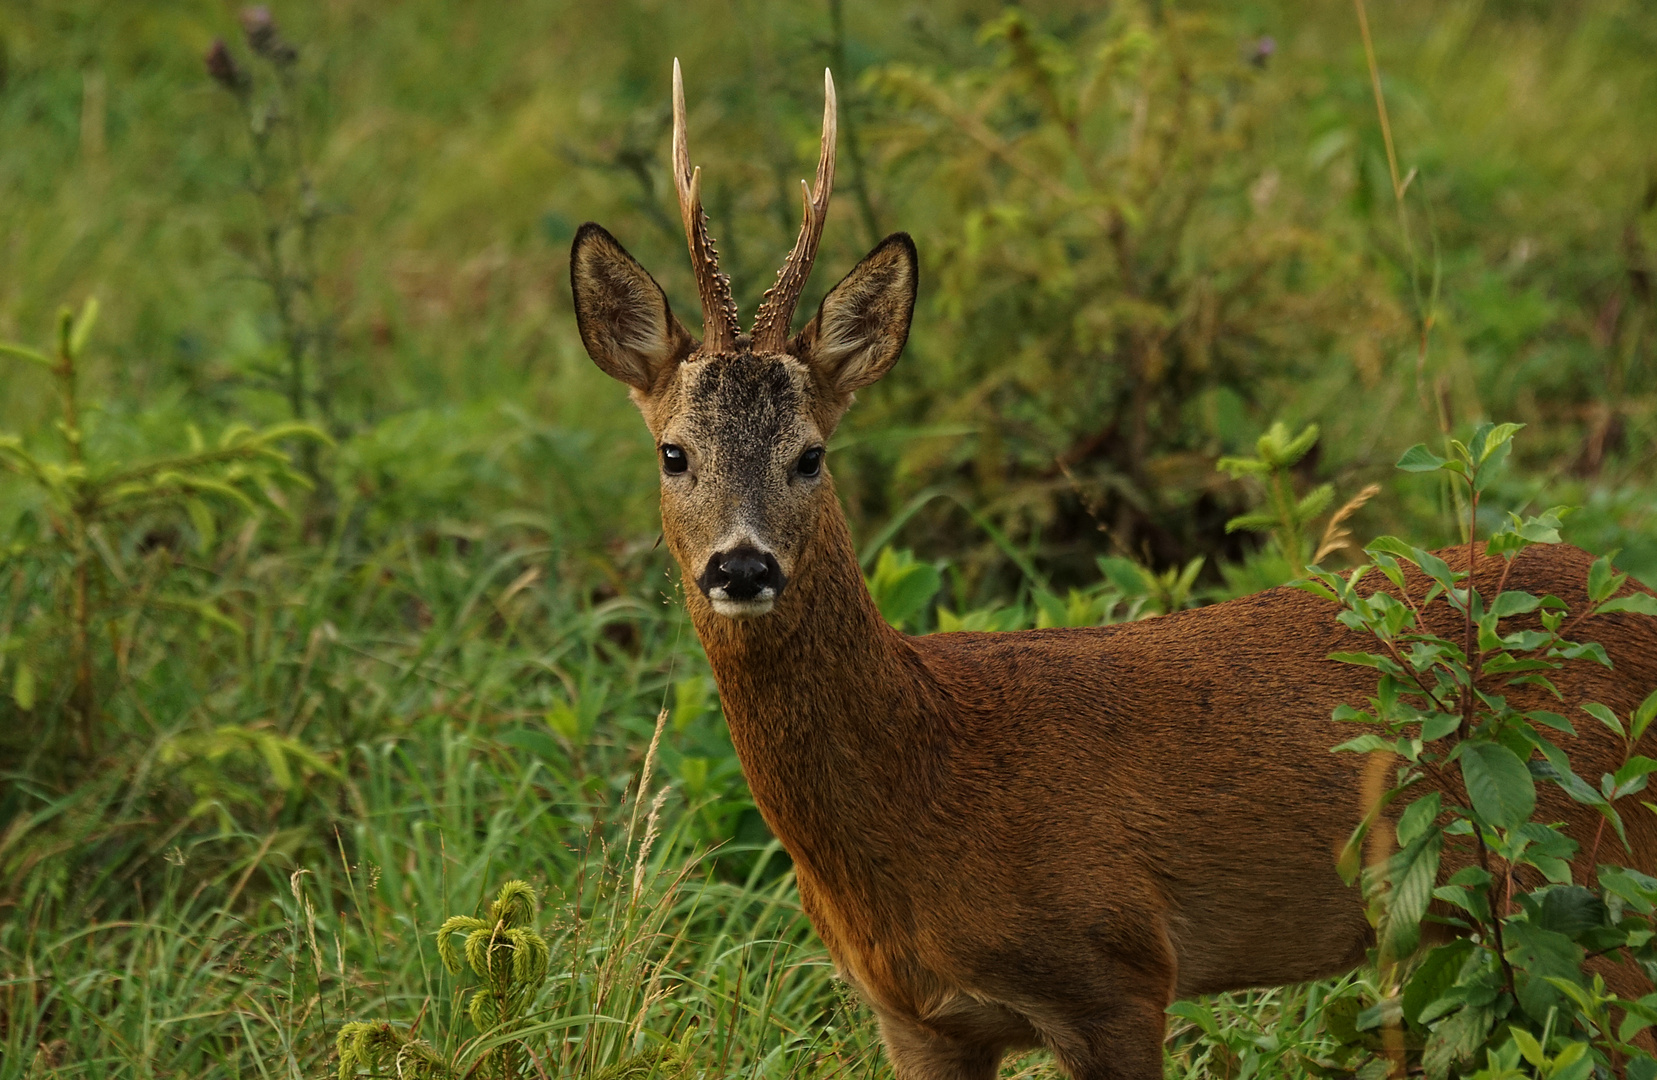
(1511, 986)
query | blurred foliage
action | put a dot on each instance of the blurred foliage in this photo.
(1147, 233)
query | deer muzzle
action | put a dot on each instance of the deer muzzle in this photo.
(742, 582)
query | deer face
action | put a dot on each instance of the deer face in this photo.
(741, 433)
(741, 420)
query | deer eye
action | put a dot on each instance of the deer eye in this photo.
(811, 462)
(674, 459)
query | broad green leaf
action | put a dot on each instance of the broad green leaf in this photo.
(1363, 744)
(1642, 1067)
(1514, 603)
(1604, 715)
(1506, 663)
(1631, 777)
(1551, 719)
(1571, 910)
(1493, 438)
(1528, 1046)
(1643, 715)
(1316, 588)
(1418, 817)
(1374, 660)
(1603, 580)
(1639, 890)
(1584, 650)
(1391, 545)
(1438, 725)
(903, 586)
(1198, 1014)
(1637, 603)
(1572, 1063)
(1384, 1013)
(1419, 459)
(1540, 955)
(1433, 976)
(1457, 1039)
(1499, 784)
(1436, 568)
(1411, 874)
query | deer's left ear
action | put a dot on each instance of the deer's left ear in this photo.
(860, 330)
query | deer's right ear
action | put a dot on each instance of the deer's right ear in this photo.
(625, 321)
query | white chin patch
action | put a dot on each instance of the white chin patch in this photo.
(742, 609)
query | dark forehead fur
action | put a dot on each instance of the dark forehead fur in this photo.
(743, 400)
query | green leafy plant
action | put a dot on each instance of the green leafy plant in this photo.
(506, 953)
(503, 950)
(1285, 514)
(95, 578)
(1512, 986)
(1119, 236)
(902, 586)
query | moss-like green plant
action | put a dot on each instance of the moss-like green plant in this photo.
(380, 1045)
(503, 950)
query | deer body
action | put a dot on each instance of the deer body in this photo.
(1020, 839)
(1045, 837)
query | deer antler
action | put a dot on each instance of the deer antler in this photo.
(777, 310)
(719, 314)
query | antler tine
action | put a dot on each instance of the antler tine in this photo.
(719, 314)
(777, 310)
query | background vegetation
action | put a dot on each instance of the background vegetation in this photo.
(330, 598)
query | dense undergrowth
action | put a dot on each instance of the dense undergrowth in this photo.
(266, 723)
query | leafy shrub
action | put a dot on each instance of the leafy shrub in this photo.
(1122, 280)
(106, 547)
(1513, 986)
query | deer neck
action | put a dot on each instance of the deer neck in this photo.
(830, 711)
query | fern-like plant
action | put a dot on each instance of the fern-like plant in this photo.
(505, 951)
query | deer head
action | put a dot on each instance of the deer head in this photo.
(741, 421)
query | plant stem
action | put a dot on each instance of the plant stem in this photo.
(1470, 699)
(854, 144)
(81, 696)
(1380, 103)
(1495, 919)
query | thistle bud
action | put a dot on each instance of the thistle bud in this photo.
(222, 67)
(1262, 52)
(263, 37)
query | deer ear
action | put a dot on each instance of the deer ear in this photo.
(624, 318)
(860, 330)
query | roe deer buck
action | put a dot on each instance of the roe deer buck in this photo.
(1005, 840)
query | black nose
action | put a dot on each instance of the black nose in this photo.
(743, 573)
